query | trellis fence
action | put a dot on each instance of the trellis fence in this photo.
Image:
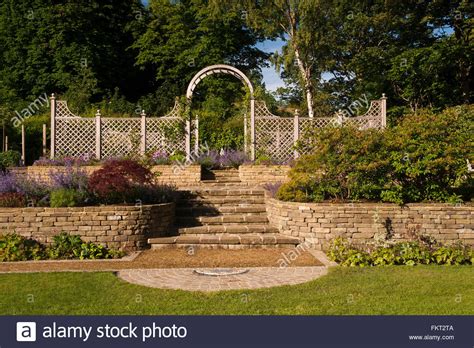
(276, 136)
(265, 133)
(105, 137)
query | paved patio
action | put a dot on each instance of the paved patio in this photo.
(188, 279)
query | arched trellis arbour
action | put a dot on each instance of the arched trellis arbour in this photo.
(229, 70)
(269, 135)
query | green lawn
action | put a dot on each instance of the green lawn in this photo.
(381, 290)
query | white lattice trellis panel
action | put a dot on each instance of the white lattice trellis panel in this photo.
(274, 137)
(62, 110)
(75, 136)
(165, 134)
(120, 137)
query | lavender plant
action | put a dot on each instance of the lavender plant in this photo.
(71, 178)
(272, 188)
(232, 158)
(160, 157)
(8, 182)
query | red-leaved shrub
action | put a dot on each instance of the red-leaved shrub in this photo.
(117, 181)
(12, 200)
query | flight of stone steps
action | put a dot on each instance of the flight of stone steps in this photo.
(223, 213)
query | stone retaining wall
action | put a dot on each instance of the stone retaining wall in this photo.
(318, 223)
(262, 174)
(118, 227)
(179, 176)
(171, 175)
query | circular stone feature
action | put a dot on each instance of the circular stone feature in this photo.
(217, 272)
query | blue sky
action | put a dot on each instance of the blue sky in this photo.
(270, 76)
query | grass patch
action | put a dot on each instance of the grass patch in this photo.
(429, 290)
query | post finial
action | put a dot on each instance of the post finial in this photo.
(98, 113)
(53, 96)
(143, 113)
(297, 112)
(383, 96)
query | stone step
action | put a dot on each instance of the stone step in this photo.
(227, 229)
(221, 219)
(250, 209)
(220, 202)
(222, 180)
(221, 191)
(225, 241)
(219, 173)
(217, 183)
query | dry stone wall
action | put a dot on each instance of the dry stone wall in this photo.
(319, 223)
(118, 227)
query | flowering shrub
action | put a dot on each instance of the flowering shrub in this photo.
(36, 192)
(209, 160)
(8, 182)
(272, 188)
(232, 158)
(160, 157)
(224, 159)
(12, 200)
(124, 181)
(83, 160)
(421, 159)
(71, 178)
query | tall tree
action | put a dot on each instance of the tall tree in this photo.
(53, 46)
(184, 36)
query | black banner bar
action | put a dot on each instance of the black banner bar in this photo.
(237, 331)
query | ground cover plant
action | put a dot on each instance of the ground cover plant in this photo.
(408, 253)
(344, 291)
(14, 247)
(422, 159)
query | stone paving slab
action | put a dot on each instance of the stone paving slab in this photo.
(187, 279)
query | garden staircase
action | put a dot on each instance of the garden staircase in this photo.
(223, 213)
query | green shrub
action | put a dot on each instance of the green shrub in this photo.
(17, 248)
(65, 246)
(9, 158)
(66, 198)
(408, 253)
(424, 158)
(177, 156)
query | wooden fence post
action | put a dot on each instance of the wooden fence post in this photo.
(23, 156)
(97, 135)
(44, 139)
(53, 125)
(384, 110)
(252, 129)
(296, 133)
(143, 133)
(196, 137)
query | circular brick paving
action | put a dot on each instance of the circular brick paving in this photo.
(187, 279)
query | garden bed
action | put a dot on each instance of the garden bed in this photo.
(171, 258)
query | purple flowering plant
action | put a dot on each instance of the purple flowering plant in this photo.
(160, 157)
